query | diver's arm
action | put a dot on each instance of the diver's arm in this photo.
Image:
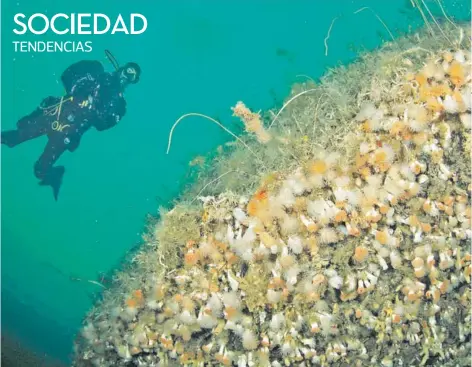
(80, 71)
(106, 124)
(113, 117)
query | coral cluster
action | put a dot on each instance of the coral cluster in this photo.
(252, 121)
(356, 254)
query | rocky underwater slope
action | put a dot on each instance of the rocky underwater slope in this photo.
(335, 233)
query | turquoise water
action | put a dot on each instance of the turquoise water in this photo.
(196, 56)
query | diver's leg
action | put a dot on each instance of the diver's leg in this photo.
(29, 127)
(44, 168)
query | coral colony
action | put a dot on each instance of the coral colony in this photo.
(352, 248)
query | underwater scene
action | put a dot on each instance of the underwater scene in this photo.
(236, 183)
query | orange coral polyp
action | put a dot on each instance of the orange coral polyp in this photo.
(456, 73)
(361, 160)
(252, 208)
(191, 258)
(421, 79)
(380, 157)
(230, 313)
(258, 203)
(381, 237)
(138, 295)
(397, 128)
(420, 138)
(439, 90)
(261, 195)
(131, 303)
(434, 105)
(319, 167)
(360, 253)
(340, 216)
(366, 126)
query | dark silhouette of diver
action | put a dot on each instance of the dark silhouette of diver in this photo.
(94, 98)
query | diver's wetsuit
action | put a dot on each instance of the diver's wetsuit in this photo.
(93, 99)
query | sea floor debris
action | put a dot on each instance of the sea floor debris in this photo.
(351, 247)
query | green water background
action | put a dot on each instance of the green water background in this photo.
(196, 56)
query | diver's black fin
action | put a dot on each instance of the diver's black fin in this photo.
(54, 179)
(10, 138)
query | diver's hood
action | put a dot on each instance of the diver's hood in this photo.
(130, 71)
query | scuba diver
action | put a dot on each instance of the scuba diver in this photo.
(94, 98)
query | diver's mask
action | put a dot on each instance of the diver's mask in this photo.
(130, 73)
